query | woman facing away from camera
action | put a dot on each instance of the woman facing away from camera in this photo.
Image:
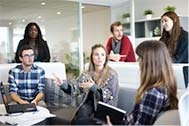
(33, 37)
(157, 92)
(176, 40)
(98, 83)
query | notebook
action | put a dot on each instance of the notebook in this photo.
(116, 115)
(16, 108)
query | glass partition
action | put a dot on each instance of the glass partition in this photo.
(59, 22)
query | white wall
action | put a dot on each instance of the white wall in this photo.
(156, 5)
(96, 28)
(60, 34)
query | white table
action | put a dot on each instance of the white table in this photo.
(27, 118)
(51, 67)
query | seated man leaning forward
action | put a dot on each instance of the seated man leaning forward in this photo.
(27, 80)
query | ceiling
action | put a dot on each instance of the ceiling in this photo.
(104, 2)
(16, 11)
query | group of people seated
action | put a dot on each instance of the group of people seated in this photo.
(157, 92)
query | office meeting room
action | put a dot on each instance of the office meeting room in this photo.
(94, 62)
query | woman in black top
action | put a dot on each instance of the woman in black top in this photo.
(33, 37)
(176, 40)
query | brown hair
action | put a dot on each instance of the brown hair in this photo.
(170, 40)
(156, 70)
(117, 23)
(23, 48)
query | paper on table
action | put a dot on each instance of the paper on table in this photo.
(28, 118)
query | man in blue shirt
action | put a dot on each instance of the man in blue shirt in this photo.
(27, 80)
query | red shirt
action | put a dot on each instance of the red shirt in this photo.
(126, 49)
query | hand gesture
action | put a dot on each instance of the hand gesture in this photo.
(87, 84)
(116, 57)
(57, 80)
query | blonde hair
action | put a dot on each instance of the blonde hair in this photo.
(106, 70)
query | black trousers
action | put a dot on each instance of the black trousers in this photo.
(84, 116)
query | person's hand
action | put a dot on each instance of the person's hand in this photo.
(57, 80)
(116, 57)
(34, 101)
(108, 122)
(23, 102)
(87, 84)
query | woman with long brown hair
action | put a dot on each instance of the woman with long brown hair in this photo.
(176, 40)
(157, 92)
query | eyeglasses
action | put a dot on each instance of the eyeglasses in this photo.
(28, 56)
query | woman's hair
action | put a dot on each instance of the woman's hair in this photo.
(170, 40)
(156, 70)
(92, 65)
(39, 37)
(105, 72)
(117, 23)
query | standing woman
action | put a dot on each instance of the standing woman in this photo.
(33, 37)
(176, 40)
(157, 91)
(98, 83)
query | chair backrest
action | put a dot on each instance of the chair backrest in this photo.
(6, 86)
(170, 117)
(129, 73)
(184, 108)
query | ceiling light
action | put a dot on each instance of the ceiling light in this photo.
(43, 3)
(10, 23)
(23, 20)
(58, 13)
(39, 17)
(82, 7)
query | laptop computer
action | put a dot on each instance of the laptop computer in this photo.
(16, 108)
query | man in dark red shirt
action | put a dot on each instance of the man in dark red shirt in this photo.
(119, 46)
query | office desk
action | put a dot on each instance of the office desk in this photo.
(27, 118)
(51, 67)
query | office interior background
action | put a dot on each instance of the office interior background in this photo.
(71, 27)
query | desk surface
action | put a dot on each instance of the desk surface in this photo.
(27, 118)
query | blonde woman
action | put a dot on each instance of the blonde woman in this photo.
(98, 83)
